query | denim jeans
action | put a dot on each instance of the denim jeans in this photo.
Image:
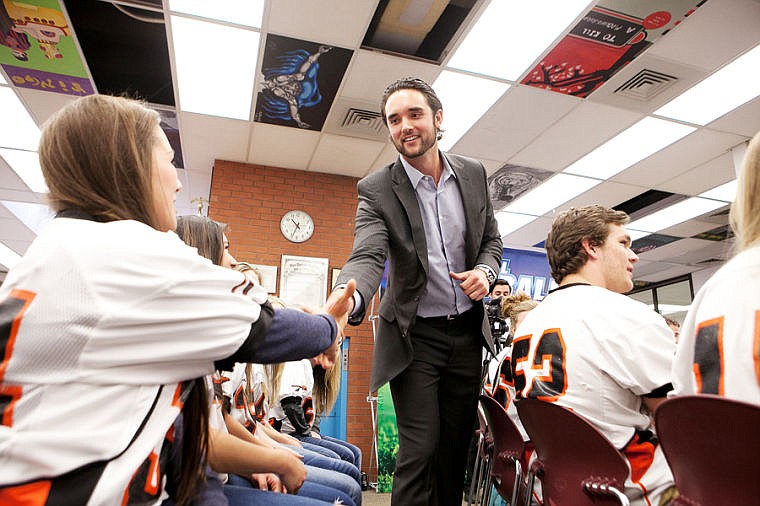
(316, 459)
(240, 492)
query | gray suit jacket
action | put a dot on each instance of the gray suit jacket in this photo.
(389, 225)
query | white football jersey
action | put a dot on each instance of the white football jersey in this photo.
(719, 348)
(100, 323)
(297, 380)
(501, 386)
(598, 352)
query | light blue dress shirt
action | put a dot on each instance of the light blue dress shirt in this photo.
(445, 227)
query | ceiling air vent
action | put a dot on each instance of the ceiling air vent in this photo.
(362, 120)
(646, 85)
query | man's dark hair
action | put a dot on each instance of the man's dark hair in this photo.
(412, 83)
(501, 281)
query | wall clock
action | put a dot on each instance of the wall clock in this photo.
(297, 226)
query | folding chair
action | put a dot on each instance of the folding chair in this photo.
(478, 491)
(506, 472)
(577, 464)
(713, 447)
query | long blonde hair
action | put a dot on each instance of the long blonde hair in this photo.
(96, 155)
(326, 388)
(513, 305)
(745, 212)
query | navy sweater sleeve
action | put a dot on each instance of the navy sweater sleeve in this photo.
(283, 335)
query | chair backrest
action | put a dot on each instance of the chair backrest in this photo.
(508, 446)
(713, 447)
(572, 455)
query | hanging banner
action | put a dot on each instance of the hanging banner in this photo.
(37, 48)
(607, 38)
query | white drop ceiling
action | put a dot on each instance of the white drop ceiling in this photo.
(527, 126)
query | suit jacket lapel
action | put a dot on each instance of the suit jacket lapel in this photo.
(402, 187)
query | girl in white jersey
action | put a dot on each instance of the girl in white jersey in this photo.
(719, 347)
(108, 318)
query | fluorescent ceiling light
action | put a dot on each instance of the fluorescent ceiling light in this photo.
(17, 129)
(720, 93)
(465, 99)
(725, 192)
(675, 214)
(643, 139)
(509, 36)
(550, 194)
(26, 164)
(241, 12)
(8, 257)
(2, 79)
(34, 216)
(509, 222)
(222, 85)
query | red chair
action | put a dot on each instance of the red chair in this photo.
(576, 464)
(713, 447)
(479, 486)
(508, 447)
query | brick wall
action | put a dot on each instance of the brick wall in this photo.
(251, 199)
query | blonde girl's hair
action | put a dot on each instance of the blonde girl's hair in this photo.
(513, 305)
(326, 388)
(96, 155)
(246, 267)
(745, 211)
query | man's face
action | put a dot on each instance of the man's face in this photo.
(617, 260)
(500, 291)
(412, 124)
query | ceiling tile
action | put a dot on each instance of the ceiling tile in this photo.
(323, 21)
(277, 146)
(583, 129)
(672, 251)
(520, 116)
(42, 104)
(744, 120)
(672, 272)
(212, 138)
(703, 177)
(715, 33)
(371, 72)
(607, 194)
(690, 151)
(336, 154)
(529, 235)
(690, 228)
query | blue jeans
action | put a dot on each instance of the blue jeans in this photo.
(321, 450)
(316, 459)
(338, 448)
(240, 492)
(352, 448)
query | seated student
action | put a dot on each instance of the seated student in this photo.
(591, 349)
(718, 350)
(210, 240)
(104, 315)
(499, 382)
(295, 410)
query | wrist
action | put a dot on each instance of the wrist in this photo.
(490, 275)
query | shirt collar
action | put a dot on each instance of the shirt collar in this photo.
(415, 176)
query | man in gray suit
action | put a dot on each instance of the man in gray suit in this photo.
(429, 214)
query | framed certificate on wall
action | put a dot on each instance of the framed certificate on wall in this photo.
(303, 280)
